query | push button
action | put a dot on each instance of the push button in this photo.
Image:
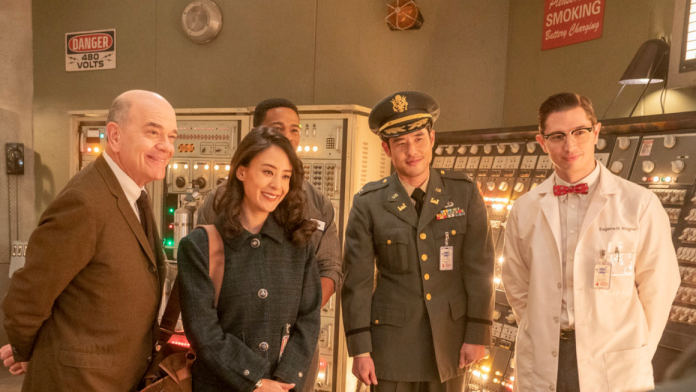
(255, 243)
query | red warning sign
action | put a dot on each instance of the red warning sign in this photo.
(568, 22)
(90, 50)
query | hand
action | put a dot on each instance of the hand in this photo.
(273, 386)
(471, 353)
(9, 362)
(327, 289)
(364, 370)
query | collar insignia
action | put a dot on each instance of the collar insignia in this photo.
(402, 207)
(434, 201)
(438, 190)
(394, 196)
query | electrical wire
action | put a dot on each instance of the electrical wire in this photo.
(17, 206)
(612, 102)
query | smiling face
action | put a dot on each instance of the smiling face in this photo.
(266, 181)
(285, 121)
(143, 146)
(411, 155)
(572, 161)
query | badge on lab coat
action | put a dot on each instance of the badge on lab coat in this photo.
(602, 273)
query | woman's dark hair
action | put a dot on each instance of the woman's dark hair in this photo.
(290, 212)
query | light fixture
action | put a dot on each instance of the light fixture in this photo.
(649, 65)
(404, 15)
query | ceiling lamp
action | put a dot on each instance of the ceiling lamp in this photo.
(404, 15)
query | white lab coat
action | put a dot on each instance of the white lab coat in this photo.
(617, 330)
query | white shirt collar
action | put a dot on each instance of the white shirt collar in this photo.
(130, 188)
(591, 180)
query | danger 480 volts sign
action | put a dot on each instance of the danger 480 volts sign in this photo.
(90, 50)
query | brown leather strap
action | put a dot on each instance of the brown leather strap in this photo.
(216, 258)
(216, 265)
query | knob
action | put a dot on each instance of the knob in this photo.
(531, 146)
(474, 150)
(438, 150)
(519, 187)
(510, 318)
(515, 147)
(649, 166)
(616, 167)
(200, 182)
(670, 141)
(624, 142)
(601, 144)
(503, 186)
(490, 185)
(496, 314)
(678, 166)
(487, 148)
(461, 150)
(450, 150)
(180, 182)
(501, 148)
(219, 181)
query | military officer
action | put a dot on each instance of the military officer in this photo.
(431, 310)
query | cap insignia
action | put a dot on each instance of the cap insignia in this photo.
(399, 103)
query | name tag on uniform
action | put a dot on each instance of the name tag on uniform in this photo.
(320, 224)
(446, 258)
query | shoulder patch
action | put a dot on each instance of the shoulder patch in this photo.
(455, 175)
(374, 185)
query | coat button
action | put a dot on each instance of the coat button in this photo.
(263, 293)
(376, 321)
(424, 257)
(246, 372)
(149, 359)
(552, 387)
(426, 277)
(153, 269)
(263, 346)
(428, 296)
(300, 374)
(423, 236)
(555, 320)
(388, 242)
(384, 181)
(555, 354)
(454, 232)
(442, 172)
(255, 243)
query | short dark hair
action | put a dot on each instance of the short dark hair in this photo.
(290, 212)
(562, 102)
(264, 106)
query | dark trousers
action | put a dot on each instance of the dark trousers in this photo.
(567, 380)
(453, 385)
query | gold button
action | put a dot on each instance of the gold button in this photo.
(424, 257)
(426, 277)
(423, 236)
(376, 321)
(388, 242)
(442, 172)
(428, 296)
(454, 232)
(385, 180)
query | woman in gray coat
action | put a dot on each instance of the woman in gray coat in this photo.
(264, 330)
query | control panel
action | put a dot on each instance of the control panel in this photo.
(92, 143)
(663, 161)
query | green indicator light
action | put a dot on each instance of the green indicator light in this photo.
(101, 136)
(171, 210)
(170, 243)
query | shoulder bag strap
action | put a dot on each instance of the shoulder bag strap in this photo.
(216, 258)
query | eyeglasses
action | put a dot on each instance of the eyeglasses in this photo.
(579, 136)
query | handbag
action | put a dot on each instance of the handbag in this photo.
(170, 370)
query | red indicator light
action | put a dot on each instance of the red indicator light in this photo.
(179, 340)
(171, 225)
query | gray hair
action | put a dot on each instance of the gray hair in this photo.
(119, 110)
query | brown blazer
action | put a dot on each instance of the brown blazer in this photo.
(83, 310)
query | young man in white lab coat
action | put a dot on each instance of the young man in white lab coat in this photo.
(590, 270)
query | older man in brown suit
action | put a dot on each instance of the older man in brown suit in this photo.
(83, 310)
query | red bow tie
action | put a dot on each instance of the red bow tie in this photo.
(560, 190)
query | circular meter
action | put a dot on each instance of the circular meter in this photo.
(201, 21)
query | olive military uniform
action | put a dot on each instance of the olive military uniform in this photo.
(415, 322)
